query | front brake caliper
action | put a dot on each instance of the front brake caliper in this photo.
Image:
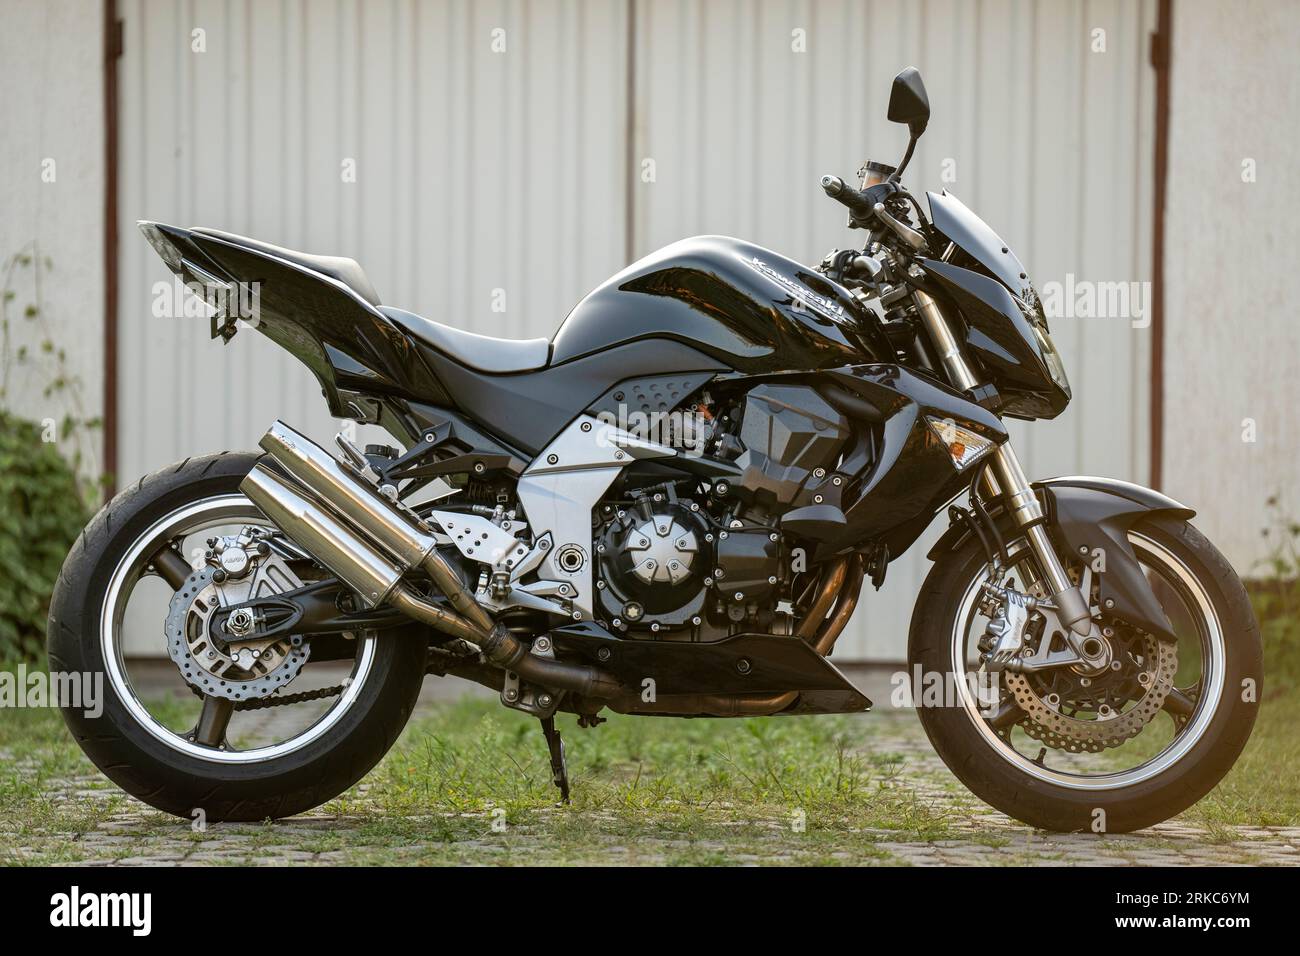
(1024, 634)
(1004, 636)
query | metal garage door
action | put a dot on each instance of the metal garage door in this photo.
(489, 154)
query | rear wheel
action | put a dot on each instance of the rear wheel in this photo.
(194, 734)
(1065, 749)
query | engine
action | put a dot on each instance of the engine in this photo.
(693, 549)
(697, 560)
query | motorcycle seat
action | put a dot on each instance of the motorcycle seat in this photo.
(347, 271)
(481, 352)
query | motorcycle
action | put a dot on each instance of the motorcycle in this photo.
(670, 508)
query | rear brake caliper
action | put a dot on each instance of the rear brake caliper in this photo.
(219, 654)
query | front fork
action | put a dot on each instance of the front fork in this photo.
(1071, 605)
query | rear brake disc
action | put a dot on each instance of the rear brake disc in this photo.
(216, 668)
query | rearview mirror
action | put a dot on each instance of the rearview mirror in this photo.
(908, 102)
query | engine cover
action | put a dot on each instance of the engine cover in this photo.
(788, 432)
(748, 565)
(654, 557)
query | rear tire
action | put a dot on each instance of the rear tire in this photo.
(989, 775)
(181, 783)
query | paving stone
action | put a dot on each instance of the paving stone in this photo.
(973, 834)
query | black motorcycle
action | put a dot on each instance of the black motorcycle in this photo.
(668, 509)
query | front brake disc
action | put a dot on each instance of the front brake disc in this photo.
(1045, 721)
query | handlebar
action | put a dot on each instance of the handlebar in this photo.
(869, 204)
(840, 191)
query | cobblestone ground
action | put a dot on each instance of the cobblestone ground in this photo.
(135, 835)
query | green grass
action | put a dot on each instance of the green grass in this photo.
(39, 758)
(470, 783)
(1263, 788)
(673, 791)
(473, 756)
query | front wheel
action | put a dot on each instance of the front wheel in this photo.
(1066, 750)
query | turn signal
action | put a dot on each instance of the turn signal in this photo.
(964, 446)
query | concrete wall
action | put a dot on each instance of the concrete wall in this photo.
(1233, 338)
(52, 195)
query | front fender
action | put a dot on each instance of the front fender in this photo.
(1092, 516)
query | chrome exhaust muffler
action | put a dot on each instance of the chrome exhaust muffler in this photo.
(356, 563)
(352, 559)
(355, 500)
(362, 507)
(336, 516)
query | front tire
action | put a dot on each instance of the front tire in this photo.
(183, 780)
(1120, 803)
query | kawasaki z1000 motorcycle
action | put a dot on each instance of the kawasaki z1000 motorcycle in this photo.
(667, 509)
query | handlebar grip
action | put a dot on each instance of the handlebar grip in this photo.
(833, 185)
(838, 190)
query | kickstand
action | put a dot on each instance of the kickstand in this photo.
(559, 770)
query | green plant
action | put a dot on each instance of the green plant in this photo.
(42, 493)
(29, 346)
(43, 514)
(1275, 592)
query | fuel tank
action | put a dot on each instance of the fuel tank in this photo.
(749, 307)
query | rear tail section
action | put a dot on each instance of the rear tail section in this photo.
(354, 351)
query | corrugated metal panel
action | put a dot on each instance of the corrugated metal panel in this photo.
(51, 112)
(475, 171)
(1048, 139)
(1231, 332)
(479, 171)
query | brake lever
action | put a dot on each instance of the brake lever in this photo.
(900, 228)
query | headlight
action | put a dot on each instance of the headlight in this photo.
(1052, 358)
(1032, 306)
